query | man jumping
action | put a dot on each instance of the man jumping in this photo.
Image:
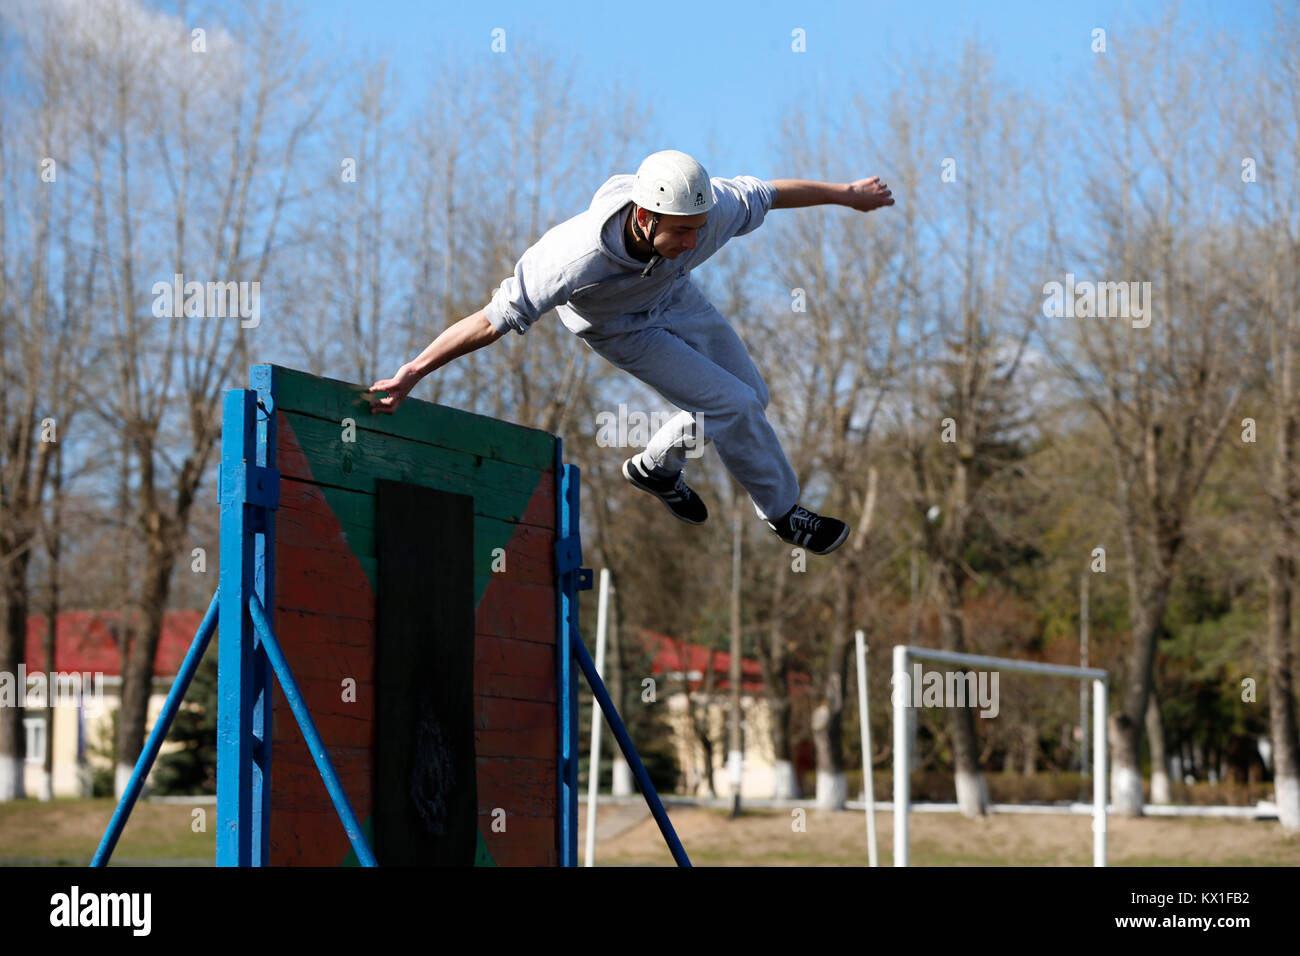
(604, 273)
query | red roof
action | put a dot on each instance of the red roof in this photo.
(86, 641)
(673, 656)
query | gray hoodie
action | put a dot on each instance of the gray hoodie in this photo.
(581, 268)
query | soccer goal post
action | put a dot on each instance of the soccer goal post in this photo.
(905, 655)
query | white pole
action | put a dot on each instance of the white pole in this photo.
(593, 764)
(901, 762)
(867, 784)
(1099, 773)
(1083, 662)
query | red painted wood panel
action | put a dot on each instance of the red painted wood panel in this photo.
(528, 841)
(324, 618)
(506, 667)
(518, 786)
(523, 611)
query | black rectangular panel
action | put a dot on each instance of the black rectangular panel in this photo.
(425, 797)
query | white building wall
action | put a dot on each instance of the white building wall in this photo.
(72, 778)
(758, 772)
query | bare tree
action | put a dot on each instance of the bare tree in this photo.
(46, 292)
(1165, 385)
(969, 303)
(205, 194)
(1271, 286)
(838, 337)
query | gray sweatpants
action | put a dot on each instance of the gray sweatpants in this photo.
(689, 354)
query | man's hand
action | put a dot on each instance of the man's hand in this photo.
(867, 194)
(470, 333)
(397, 388)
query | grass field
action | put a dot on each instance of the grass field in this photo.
(66, 832)
(766, 838)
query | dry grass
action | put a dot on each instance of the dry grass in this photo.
(68, 831)
(767, 838)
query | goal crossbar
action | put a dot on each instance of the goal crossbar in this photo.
(904, 655)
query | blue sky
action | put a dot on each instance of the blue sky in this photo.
(726, 70)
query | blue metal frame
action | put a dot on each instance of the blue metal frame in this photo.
(249, 652)
(568, 568)
(572, 578)
(261, 379)
(249, 493)
(249, 656)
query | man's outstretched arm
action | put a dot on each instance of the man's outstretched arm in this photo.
(470, 333)
(863, 194)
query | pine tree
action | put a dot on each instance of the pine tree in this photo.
(193, 769)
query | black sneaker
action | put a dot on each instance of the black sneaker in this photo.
(673, 492)
(801, 527)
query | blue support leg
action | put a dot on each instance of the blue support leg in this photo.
(308, 727)
(629, 752)
(177, 694)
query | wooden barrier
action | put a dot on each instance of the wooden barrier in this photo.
(412, 553)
